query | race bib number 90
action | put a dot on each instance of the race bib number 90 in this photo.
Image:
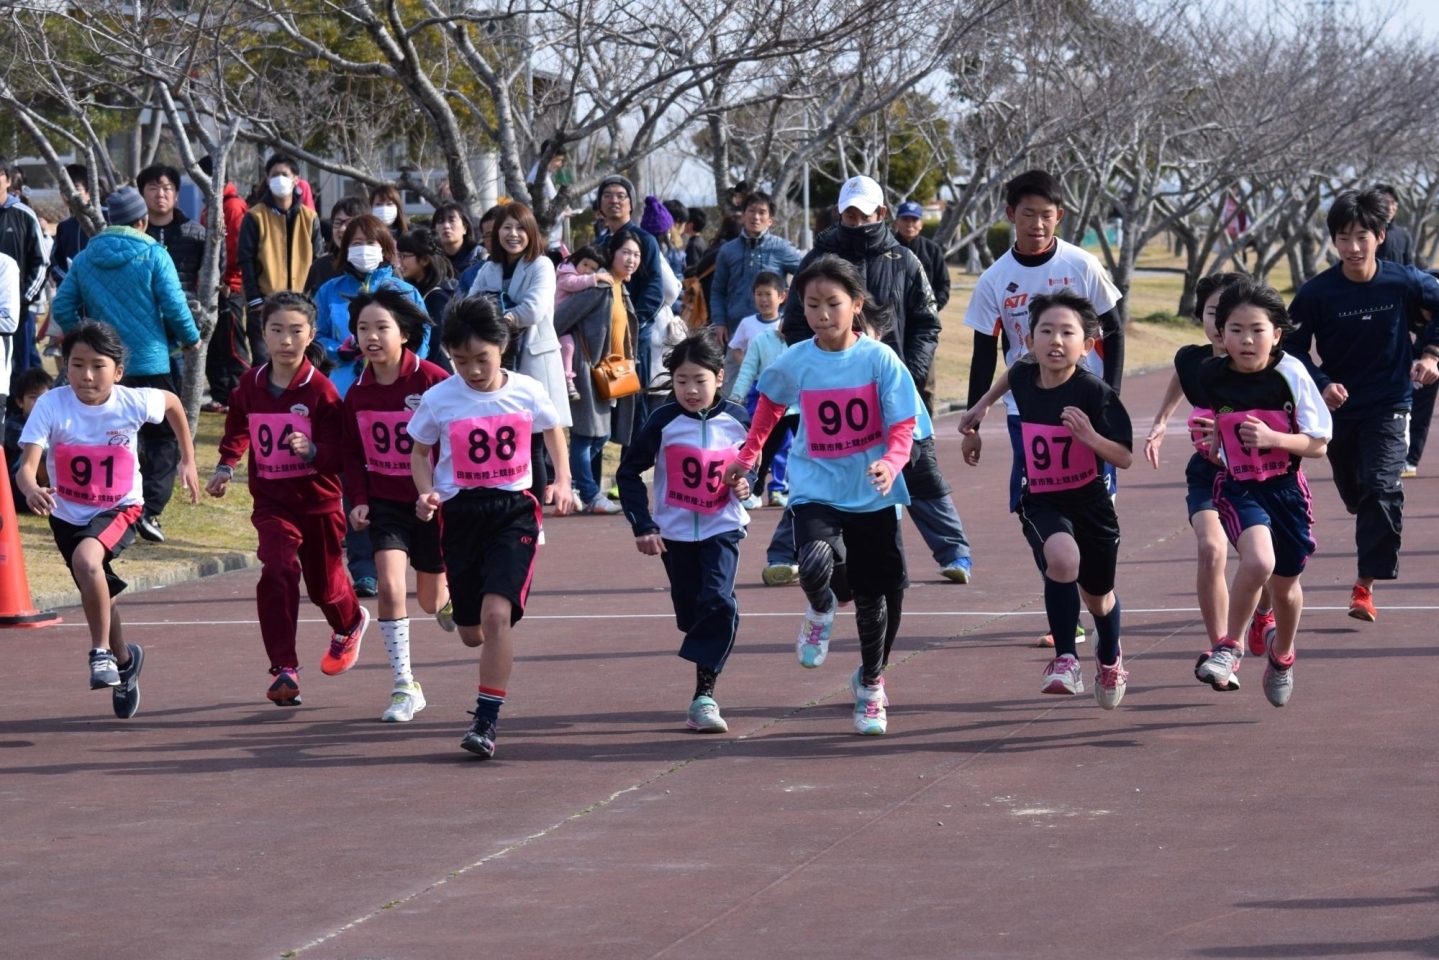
(98, 476)
(1054, 460)
(491, 451)
(1252, 463)
(838, 423)
(386, 439)
(694, 478)
(270, 440)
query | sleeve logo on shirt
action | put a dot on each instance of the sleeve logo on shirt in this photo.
(1061, 281)
(118, 440)
(412, 402)
(1012, 287)
(300, 410)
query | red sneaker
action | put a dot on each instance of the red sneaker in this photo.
(1361, 605)
(285, 691)
(344, 648)
(1257, 626)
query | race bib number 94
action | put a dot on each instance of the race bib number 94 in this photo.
(270, 439)
(491, 451)
(841, 422)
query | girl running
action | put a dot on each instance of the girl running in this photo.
(289, 418)
(858, 412)
(1210, 584)
(1268, 415)
(1070, 421)
(698, 522)
(387, 326)
(86, 432)
(481, 421)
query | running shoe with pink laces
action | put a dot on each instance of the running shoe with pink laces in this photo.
(1263, 621)
(1109, 683)
(870, 719)
(856, 687)
(344, 648)
(1063, 676)
(813, 643)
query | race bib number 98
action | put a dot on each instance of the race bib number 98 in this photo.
(841, 422)
(491, 451)
(386, 439)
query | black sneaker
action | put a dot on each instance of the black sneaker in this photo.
(481, 739)
(126, 697)
(149, 529)
(103, 671)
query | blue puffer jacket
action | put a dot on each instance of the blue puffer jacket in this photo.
(127, 280)
(739, 262)
(332, 318)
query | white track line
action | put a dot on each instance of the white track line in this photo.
(670, 616)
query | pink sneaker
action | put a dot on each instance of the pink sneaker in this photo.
(1261, 623)
(1063, 676)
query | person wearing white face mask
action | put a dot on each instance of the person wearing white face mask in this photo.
(386, 206)
(280, 238)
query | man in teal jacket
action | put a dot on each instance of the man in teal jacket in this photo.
(127, 279)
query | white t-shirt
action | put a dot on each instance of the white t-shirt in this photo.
(90, 452)
(749, 328)
(1001, 297)
(491, 430)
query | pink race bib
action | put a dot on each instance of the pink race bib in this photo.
(1054, 460)
(386, 439)
(1196, 436)
(270, 440)
(693, 478)
(491, 451)
(98, 476)
(1252, 463)
(841, 422)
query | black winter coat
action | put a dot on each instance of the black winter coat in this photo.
(932, 258)
(184, 240)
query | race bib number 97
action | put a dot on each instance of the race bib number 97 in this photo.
(491, 451)
(1054, 460)
(841, 422)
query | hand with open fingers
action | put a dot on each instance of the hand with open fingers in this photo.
(301, 446)
(1335, 395)
(650, 544)
(969, 447)
(882, 476)
(41, 500)
(190, 480)
(1078, 423)
(360, 517)
(1153, 442)
(218, 483)
(427, 506)
(1256, 434)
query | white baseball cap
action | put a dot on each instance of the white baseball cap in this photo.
(862, 193)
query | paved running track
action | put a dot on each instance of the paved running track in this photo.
(989, 822)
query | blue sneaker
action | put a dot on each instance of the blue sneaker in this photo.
(367, 587)
(960, 571)
(870, 716)
(704, 716)
(813, 643)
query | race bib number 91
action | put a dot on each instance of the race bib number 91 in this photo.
(491, 451)
(841, 422)
(98, 476)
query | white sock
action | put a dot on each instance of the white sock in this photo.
(397, 645)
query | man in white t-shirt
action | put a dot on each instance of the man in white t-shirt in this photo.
(1038, 263)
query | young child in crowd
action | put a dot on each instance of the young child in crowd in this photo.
(289, 418)
(1070, 421)
(1268, 414)
(697, 522)
(481, 421)
(857, 419)
(583, 269)
(30, 385)
(86, 431)
(1211, 586)
(769, 295)
(387, 326)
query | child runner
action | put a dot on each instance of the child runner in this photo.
(1268, 413)
(1070, 420)
(87, 433)
(481, 419)
(289, 418)
(387, 326)
(1199, 474)
(29, 387)
(697, 522)
(581, 271)
(768, 298)
(858, 407)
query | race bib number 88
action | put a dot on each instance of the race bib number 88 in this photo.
(491, 451)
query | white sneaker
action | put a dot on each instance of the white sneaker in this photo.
(1063, 676)
(603, 505)
(813, 643)
(870, 719)
(856, 688)
(445, 617)
(406, 701)
(1109, 683)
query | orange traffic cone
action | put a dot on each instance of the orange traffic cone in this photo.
(16, 607)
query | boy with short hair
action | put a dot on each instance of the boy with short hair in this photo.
(30, 386)
(1357, 315)
(769, 294)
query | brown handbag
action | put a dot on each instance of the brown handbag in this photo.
(615, 375)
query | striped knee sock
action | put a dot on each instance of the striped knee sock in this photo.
(488, 703)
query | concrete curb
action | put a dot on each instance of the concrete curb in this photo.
(196, 570)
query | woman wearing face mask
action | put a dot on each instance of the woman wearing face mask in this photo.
(365, 260)
(423, 263)
(386, 206)
(521, 278)
(325, 269)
